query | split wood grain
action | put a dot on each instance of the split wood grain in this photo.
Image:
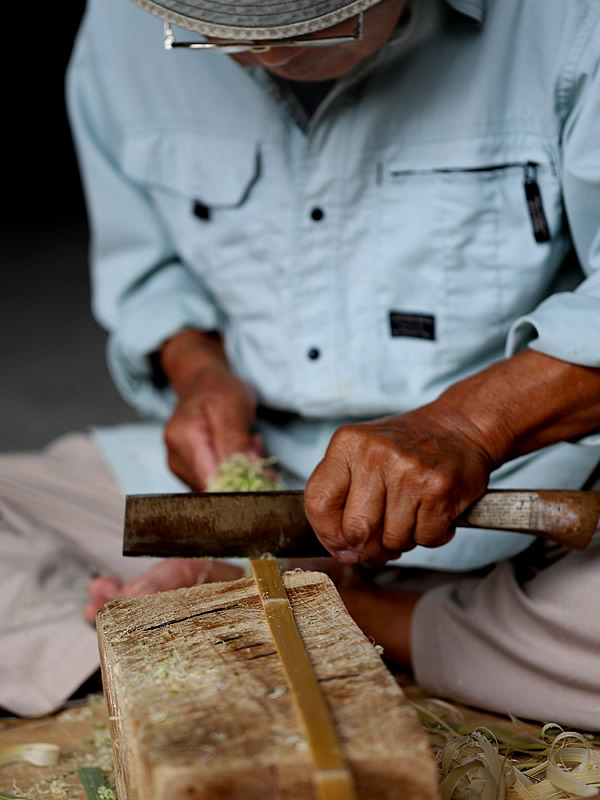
(201, 710)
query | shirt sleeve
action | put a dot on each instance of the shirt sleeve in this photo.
(141, 291)
(566, 325)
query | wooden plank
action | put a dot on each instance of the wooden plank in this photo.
(201, 709)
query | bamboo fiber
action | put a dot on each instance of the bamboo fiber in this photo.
(332, 778)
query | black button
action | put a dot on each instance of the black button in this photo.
(314, 353)
(317, 214)
(201, 211)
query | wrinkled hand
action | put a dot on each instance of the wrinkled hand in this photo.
(211, 422)
(390, 484)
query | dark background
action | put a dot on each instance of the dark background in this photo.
(53, 376)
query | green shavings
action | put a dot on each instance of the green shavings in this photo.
(95, 784)
(173, 672)
(239, 474)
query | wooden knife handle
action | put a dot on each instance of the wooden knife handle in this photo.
(568, 517)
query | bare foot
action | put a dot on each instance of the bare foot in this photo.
(172, 573)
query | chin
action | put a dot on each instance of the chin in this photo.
(310, 73)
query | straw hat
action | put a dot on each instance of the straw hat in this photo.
(254, 19)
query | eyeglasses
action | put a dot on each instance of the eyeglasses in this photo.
(262, 46)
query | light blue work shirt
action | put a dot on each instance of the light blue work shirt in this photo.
(414, 230)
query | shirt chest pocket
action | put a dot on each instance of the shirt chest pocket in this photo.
(467, 244)
(204, 191)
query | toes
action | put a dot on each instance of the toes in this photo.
(101, 590)
(90, 610)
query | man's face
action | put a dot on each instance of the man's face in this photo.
(329, 62)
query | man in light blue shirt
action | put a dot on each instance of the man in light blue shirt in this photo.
(390, 280)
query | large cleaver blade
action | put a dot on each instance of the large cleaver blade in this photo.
(250, 524)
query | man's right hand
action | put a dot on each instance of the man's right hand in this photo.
(215, 410)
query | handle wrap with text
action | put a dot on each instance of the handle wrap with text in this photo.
(568, 517)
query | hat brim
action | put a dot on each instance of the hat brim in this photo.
(254, 19)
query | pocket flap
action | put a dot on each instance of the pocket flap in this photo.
(217, 172)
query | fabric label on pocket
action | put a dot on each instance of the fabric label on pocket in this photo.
(417, 326)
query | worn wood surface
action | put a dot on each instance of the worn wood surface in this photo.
(81, 733)
(200, 707)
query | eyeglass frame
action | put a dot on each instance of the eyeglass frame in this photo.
(249, 46)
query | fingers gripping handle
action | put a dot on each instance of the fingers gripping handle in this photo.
(567, 517)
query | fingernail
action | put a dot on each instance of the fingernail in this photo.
(347, 556)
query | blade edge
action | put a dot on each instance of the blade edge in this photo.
(219, 525)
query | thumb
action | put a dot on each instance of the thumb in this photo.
(324, 499)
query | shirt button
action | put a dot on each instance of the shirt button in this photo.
(314, 353)
(201, 211)
(317, 214)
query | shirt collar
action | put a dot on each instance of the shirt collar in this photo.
(471, 8)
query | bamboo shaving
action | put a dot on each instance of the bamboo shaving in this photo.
(39, 754)
(478, 763)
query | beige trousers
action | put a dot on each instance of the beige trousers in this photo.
(61, 523)
(523, 639)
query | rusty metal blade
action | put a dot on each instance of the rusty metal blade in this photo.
(249, 524)
(219, 525)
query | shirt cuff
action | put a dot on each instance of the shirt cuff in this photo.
(565, 326)
(142, 333)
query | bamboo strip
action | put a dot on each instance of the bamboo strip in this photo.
(332, 778)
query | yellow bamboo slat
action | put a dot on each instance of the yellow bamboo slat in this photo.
(332, 778)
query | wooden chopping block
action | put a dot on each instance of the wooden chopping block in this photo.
(200, 709)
